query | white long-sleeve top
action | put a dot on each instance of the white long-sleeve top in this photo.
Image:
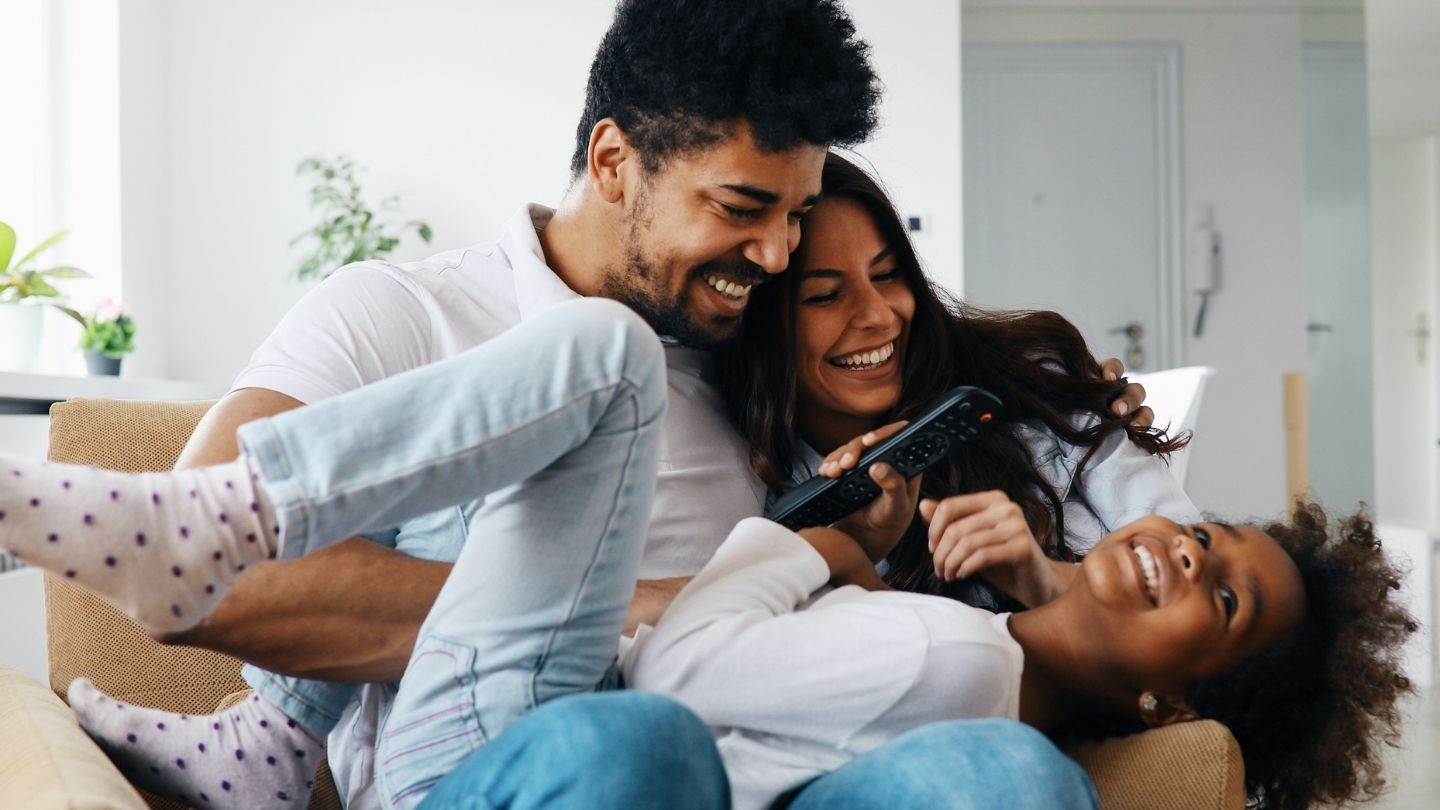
(795, 680)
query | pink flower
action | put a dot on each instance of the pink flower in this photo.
(110, 310)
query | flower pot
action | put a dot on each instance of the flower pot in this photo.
(20, 329)
(102, 365)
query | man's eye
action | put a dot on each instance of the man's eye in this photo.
(1202, 536)
(798, 216)
(741, 213)
(1232, 604)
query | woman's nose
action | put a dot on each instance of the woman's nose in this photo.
(872, 311)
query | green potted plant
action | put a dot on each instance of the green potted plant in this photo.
(24, 285)
(107, 334)
(349, 230)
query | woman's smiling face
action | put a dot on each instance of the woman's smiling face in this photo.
(853, 307)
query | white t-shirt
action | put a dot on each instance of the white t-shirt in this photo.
(373, 320)
(796, 683)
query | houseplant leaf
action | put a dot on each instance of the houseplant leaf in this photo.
(7, 246)
(64, 272)
(40, 248)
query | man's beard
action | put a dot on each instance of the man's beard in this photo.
(638, 284)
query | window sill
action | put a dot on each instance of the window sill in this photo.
(35, 393)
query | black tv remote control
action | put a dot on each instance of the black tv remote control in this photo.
(930, 437)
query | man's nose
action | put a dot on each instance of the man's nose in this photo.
(769, 247)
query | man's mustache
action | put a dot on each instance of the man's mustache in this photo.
(741, 272)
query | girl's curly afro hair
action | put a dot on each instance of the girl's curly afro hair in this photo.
(1311, 713)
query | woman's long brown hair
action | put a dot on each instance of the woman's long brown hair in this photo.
(1036, 362)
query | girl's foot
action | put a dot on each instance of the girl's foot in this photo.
(162, 547)
(250, 755)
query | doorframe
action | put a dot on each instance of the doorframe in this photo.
(1161, 63)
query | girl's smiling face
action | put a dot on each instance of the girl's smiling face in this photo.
(853, 307)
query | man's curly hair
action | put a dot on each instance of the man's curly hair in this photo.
(1311, 713)
(676, 75)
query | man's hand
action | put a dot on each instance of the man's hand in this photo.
(986, 533)
(881, 524)
(1131, 399)
(652, 597)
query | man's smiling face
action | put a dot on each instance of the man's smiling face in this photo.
(705, 228)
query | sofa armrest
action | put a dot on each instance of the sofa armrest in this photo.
(1186, 766)
(46, 760)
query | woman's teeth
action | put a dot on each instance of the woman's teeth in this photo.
(1152, 572)
(729, 288)
(864, 360)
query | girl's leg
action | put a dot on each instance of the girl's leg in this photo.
(582, 373)
(164, 547)
(630, 749)
(535, 604)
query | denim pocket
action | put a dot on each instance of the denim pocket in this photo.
(433, 723)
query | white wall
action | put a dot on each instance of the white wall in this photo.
(467, 109)
(1242, 135)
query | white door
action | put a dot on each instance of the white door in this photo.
(1339, 363)
(1405, 217)
(1072, 190)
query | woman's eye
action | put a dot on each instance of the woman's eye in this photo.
(1232, 604)
(822, 298)
(888, 275)
(1202, 536)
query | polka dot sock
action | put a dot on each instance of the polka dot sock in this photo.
(250, 755)
(162, 547)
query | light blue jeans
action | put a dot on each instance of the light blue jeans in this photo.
(555, 426)
(626, 750)
(956, 765)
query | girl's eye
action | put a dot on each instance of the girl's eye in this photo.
(1202, 536)
(888, 275)
(1232, 604)
(823, 298)
(741, 213)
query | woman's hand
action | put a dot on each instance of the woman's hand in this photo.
(986, 533)
(849, 564)
(881, 524)
(1132, 398)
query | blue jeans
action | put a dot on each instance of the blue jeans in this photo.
(956, 765)
(624, 750)
(555, 427)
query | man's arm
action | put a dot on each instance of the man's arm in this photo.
(350, 612)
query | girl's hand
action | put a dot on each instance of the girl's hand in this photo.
(986, 533)
(881, 524)
(848, 562)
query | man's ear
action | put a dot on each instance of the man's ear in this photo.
(1158, 710)
(606, 157)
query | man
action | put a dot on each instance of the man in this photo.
(697, 155)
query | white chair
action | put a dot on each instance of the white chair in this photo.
(1174, 396)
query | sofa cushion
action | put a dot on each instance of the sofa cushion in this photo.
(47, 762)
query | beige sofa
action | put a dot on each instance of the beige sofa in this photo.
(48, 763)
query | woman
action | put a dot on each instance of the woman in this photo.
(855, 336)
